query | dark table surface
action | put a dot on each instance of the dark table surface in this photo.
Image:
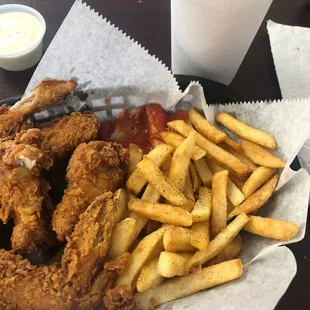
(149, 24)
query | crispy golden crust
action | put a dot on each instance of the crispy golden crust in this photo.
(94, 168)
(48, 92)
(120, 298)
(64, 134)
(24, 286)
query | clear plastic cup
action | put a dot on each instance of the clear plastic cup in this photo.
(31, 55)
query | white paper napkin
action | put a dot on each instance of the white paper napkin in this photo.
(290, 46)
(210, 38)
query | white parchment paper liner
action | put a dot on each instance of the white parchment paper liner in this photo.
(108, 64)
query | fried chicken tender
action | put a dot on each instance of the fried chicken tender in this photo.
(48, 92)
(24, 286)
(93, 169)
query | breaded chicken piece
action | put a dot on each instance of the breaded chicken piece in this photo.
(64, 134)
(48, 92)
(93, 169)
(27, 287)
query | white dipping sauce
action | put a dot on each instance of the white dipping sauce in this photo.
(18, 32)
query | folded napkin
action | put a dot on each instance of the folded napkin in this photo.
(290, 46)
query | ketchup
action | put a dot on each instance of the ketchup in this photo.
(141, 126)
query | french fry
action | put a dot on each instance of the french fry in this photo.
(174, 139)
(233, 144)
(231, 251)
(260, 176)
(240, 154)
(140, 256)
(139, 225)
(260, 156)
(204, 171)
(219, 202)
(178, 239)
(158, 155)
(163, 213)
(237, 182)
(149, 276)
(257, 200)
(203, 206)
(165, 168)
(188, 188)
(151, 194)
(122, 202)
(196, 182)
(245, 131)
(180, 162)
(212, 150)
(205, 128)
(163, 185)
(219, 242)
(172, 264)
(271, 228)
(200, 236)
(121, 238)
(135, 156)
(189, 284)
(234, 194)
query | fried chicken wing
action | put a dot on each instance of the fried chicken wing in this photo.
(24, 286)
(23, 194)
(48, 92)
(93, 169)
(64, 134)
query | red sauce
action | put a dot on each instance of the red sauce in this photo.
(141, 126)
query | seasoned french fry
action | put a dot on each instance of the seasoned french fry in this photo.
(172, 264)
(158, 155)
(180, 162)
(188, 188)
(234, 194)
(231, 251)
(219, 202)
(190, 284)
(260, 176)
(260, 156)
(140, 256)
(271, 228)
(196, 182)
(212, 150)
(149, 276)
(233, 144)
(219, 242)
(163, 213)
(178, 239)
(163, 185)
(139, 225)
(165, 168)
(245, 131)
(200, 236)
(122, 203)
(135, 156)
(205, 128)
(237, 182)
(240, 154)
(257, 200)
(121, 238)
(174, 139)
(204, 171)
(203, 206)
(151, 194)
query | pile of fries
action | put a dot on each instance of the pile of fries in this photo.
(197, 191)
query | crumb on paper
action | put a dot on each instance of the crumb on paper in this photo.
(297, 49)
(139, 2)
